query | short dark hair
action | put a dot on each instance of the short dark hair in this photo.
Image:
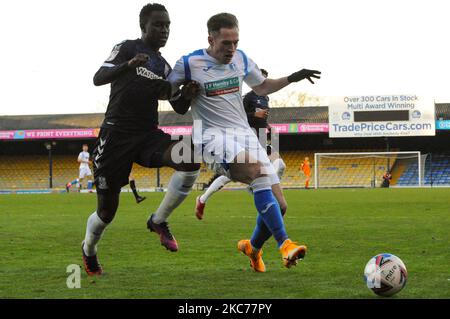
(147, 10)
(222, 20)
(264, 71)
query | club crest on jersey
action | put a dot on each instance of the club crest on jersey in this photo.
(147, 73)
(114, 52)
(222, 87)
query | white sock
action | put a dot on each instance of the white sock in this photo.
(279, 166)
(94, 230)
(216, 185)
(179, 187)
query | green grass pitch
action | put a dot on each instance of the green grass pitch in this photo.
(40, 236)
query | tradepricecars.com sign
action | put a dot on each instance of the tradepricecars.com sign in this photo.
(381, 115)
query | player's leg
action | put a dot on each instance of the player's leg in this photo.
(267, 206)
(179, 186)
(81, 179)
(84, 173)
(89, 179)
(132, 183)
(215, 186)
(70, 184)
(308, 178)
(262, 233)
(97, 222)
(112, 165)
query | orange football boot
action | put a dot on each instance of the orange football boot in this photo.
(291, 252)
(256, 261)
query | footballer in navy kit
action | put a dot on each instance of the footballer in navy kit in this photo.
(129, 134)
(257, 108)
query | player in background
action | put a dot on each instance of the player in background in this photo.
(387, 177)
(129, 133)
(132, 183)
(84, 170)
(222, 133)
(257, 110)
(305, 167)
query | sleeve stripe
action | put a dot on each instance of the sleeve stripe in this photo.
(244, 57)
(187, 69)
(108, 65)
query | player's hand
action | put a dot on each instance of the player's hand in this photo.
(139, 60)
(304, 74)
(263, 114)
(190, 90)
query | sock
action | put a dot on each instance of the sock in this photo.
(179, 187)
(94, 230)
(269, 210)
(307, 183)
(261, 233)
(133, 188)
(89, 184)
(279, 166)
(216, 185)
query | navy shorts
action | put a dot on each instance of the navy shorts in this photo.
(116, 151)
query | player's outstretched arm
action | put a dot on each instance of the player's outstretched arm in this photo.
(182, 101)
(273, 85)
(109, 73)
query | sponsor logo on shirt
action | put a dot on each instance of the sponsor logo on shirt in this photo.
(222, 87)
(147, 73)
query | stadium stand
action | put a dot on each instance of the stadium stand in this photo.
(437, 172)
(30, 170)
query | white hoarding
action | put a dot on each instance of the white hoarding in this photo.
(381, 115)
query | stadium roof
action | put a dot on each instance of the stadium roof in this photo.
(315, 114)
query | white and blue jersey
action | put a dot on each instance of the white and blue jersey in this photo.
(219, 108)
(84, 166)
(84, 158)
(219, 104)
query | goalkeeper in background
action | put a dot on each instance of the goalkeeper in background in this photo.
(305, 167)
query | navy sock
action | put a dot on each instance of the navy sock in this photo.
(261, 233)
(133, 188)
(270, 213)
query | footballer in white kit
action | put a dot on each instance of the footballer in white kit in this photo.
(223, 135)
(84, 170)
(83, 159)
(221, 129)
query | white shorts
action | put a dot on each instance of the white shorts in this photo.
(85, 171)
(221, 149)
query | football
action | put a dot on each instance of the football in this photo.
(385, 274)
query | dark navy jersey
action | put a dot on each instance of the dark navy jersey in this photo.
(254, 103)
(133, 102)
